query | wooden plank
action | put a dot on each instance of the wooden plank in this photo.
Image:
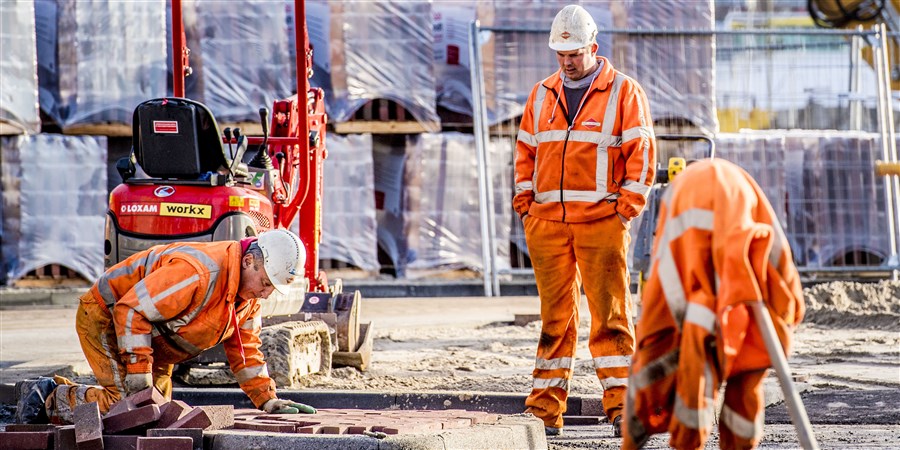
(50, 282)
(99, 129)
(362, 356)
(8, 129)
(389, 127)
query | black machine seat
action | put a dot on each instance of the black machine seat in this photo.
(177, 138)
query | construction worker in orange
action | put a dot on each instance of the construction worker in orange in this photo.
(584, 165)
(167, 304)
(718, 248)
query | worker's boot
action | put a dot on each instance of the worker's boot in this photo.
(32, 397)
(617, 426)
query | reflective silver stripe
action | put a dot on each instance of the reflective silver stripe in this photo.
(524, 186)
(544, 383)
(701, 316)
(572, 196)
(129, 318)
(253, 324)
(612, 382)
(80, 393)
(584, 136)
(612, 105)
(637, 132)
(603, 362)
(63, 409)
(527, 138)
(645, 144)
(655, 370)
(248, 373)
(538, 105)
(146, 303)
(213, 269)
(698, 418)
(556, 363)
(777, 244)
(113, 361)
(129, 342)
(670, 279)
(637, 188)
(740, 426)
(103, 283)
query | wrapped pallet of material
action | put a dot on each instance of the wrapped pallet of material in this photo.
(241, 56)
(452, 19)
(677, 72)
(835, 203)
(101, 58)
(762, 155)
(446, 226)
(18, 69)
(348, 205)
(364, 51)
(396, 187)
(54, 203)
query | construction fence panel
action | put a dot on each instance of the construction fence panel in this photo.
(819, 178)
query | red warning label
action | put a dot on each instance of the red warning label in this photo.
(165, 126)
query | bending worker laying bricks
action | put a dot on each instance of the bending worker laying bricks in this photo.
(165, 305)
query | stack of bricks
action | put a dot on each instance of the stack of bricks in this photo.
(146, 421)
(143, 421)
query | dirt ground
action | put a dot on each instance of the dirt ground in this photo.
(850, 335)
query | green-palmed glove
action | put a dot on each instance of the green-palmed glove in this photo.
(276, 406)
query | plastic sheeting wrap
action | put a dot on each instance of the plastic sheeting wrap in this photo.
(18, 68)
(445, 229)
(822, 187)
(452, 19)
(677, 72)
(374, 50)
(102, 58)
(348, 208)
(241, 55)
(54, 203)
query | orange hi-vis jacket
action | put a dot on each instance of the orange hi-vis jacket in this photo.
(171, 302)
(718, 246)
(602, 164)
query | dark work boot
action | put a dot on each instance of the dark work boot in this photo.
(31, 397)
(617, 426)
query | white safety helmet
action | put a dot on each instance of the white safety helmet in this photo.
(573, 28)
(284, 257)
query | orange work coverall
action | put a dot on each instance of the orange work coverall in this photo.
(578, 186)
(718, 246)
(160, 307)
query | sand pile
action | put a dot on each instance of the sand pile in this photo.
(847, 304)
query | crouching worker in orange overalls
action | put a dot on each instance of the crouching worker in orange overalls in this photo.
(718, 247)
(165, 305)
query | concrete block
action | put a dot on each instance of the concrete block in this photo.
(88, 427)
(195, 434)
(130, 421)
(296, 349)
(120, 442)
(26, 440)
(65, 438)
(592, 406)
(171, 412)
(165, 443)
(195, 418)
(220, 416)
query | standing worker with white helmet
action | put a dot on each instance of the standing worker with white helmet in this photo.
(166, 304)
(585, 161)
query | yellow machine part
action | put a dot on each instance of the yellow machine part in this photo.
(676, 165)
(884, 169)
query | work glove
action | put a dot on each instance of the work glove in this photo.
(137, 382)
(276, 406)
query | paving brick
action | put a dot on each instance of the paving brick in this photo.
(19, 427)
(165, 443)
(170, 412)
(132, 421)
(583, 420)
(334, 429)
(88, 427)
(26, 440)
(358, 429)
(195, 434)
(149, 396)
(266, 426)
(120, 442)
(220, 416)
(195, 418)
(312, 429)
(65, 438)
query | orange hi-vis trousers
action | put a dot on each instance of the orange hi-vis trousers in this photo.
(94, 325)
(565, 255)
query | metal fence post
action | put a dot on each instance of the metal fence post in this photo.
(888, 143)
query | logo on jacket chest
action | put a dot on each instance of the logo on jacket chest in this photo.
(590, 123)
